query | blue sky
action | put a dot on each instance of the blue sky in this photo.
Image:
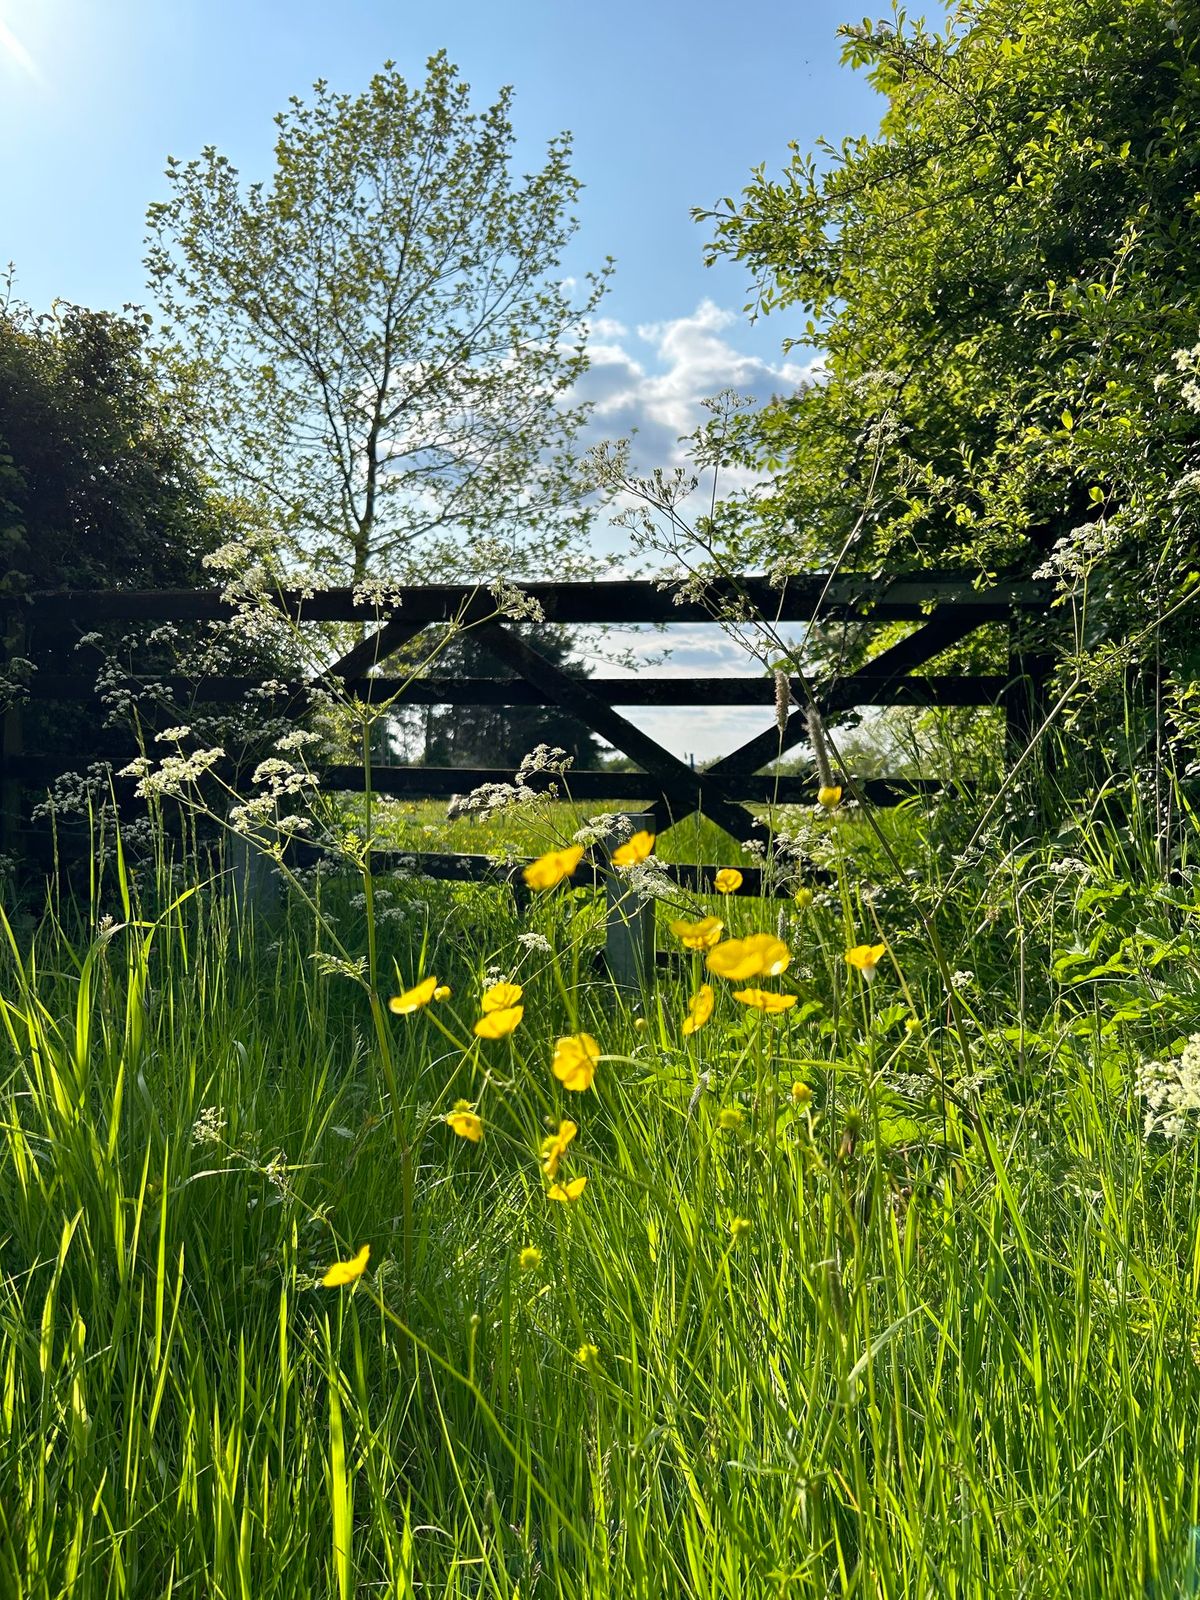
(671, 105)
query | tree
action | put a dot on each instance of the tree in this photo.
(998, 285)
(379, 345)
(496, 736)
(97, 488)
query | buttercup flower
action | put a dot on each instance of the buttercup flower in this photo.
(739, 1227)
(727, 881)
(803, 899)
(700, 935)
(866, 958)
(588, 1355)
(566, 1191)
(443, 992)
(555, 1147)
(765, 1000)
(761, 955)
(549, 870)
(574, 1062)
(633, 850)
(829, 794)
(700, 1008)
(499, 1024)
(343, 1272)
(501, 996)
(730, 1118)
(465, 1122)
(801, 1093)
(530, 1258)
(413, 999)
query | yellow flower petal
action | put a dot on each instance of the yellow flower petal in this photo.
(765, 1000)
(555, 1147)
(700, 1008)
(865, 958)
(499, 1024)
(566, 1191)
(443, 992)
(829, 795)
(465, 1122)
(727, 881)
(574, 1062)
(343, 1272)
(700, 935)
(549, 870)
(634, 850)
(413, 999)
(761, 955)
(501, 996)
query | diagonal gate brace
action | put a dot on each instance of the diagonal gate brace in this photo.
(682, 790)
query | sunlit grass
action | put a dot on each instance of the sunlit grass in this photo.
(886, 1294)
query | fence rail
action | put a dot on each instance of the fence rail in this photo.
(946, 608)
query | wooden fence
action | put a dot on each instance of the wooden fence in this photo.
(946, 608)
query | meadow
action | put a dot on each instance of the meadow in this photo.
(887, 1288)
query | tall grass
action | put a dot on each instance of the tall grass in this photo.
(926, 1326)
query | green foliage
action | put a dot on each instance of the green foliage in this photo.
(999, 284)
(377, 344)
(97, 488)
(929, 1330)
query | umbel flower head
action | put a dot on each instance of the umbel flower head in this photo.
(549, 870)
(413, 999)
(634, 850)
(760, 955)
(574, 1061)
(700, 1008)
(344, 1272)
(727, 881)
(765, 1000)
(865, 958)
(464, 1121)
(700, 935)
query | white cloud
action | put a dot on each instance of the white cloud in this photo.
(653, 383)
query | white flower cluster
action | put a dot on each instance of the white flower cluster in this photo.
(1078, 551)
(76, 792)
(279, 778)
(515, 603)
(297, 739)
(174, 773)
(1171, 1091)
(490, 799)
(544, 758)
(209, 1126)
(597, 829)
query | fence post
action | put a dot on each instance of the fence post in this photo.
(12, 735)
(629, 922)
(252, 879)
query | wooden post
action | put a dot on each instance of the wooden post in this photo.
(252, 880)
(629, 926)
(12, 737)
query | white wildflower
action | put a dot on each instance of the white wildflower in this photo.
(1171, 1091)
